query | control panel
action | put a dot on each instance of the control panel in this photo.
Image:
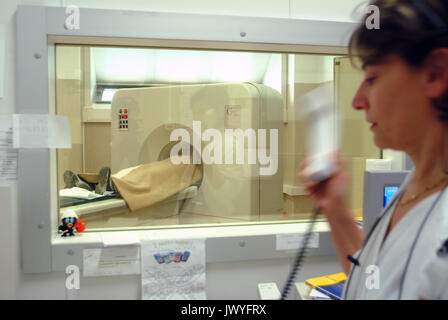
(123, 117)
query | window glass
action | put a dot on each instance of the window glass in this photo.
(356, 137)
(164, 137)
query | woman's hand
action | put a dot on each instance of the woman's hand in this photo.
(330, 197)
(329, 194)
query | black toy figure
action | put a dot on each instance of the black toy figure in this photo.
(70, 221)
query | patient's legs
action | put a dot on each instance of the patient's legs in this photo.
(105, 182)
(71, 180)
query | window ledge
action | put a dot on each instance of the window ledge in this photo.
(223, 243)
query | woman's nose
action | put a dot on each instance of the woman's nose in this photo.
(359, 101)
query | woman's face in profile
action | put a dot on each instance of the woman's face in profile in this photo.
(396, 107)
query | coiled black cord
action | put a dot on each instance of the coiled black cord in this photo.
(300, 256)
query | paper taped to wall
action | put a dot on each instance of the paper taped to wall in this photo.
(59, 135)
(173, 270)
(41, 131)
(8, 165)
(294, 241)
(6, 132)
(8, 156)
(111, 261)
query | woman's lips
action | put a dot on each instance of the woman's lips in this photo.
(373, 126)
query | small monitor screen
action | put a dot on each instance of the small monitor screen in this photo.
(389, 192)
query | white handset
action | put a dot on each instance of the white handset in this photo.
(318, 108)
(323, 140)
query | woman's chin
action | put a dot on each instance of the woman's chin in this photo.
(380, 143)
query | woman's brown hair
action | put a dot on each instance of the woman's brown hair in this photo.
(410, 29)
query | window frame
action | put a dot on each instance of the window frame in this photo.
(40, 28)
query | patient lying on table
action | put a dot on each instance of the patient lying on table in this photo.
(143, 185)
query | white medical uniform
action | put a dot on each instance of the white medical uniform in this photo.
(425, 273)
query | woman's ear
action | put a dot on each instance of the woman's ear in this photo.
(436, 73)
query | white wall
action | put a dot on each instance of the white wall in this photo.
(224, 280)
(331, 10)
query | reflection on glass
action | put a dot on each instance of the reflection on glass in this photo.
(108, 95)
(189, 137)
(357, 140)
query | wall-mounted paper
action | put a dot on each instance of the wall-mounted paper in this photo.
(2, 58)
(6, 131)
(294, 241)
(59, 135)
(30, 131)
(8, 156)
(41, 131)
(8, 164)
(173, 270)
(111, 261)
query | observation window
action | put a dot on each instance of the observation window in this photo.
(195, 137)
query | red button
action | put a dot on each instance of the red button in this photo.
(125, 110)
(125, 117)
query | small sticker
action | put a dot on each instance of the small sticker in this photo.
(233, 117)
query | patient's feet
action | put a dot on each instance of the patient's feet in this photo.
(104, 181)
(71, 180)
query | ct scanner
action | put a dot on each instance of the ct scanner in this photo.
(142, 121)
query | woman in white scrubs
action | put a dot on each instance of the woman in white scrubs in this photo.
(404, 96)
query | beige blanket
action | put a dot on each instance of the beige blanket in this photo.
(145, 185)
